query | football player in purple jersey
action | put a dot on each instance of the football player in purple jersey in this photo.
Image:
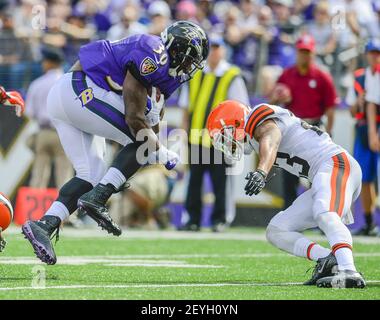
(104, 96)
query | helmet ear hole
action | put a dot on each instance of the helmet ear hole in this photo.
(237, 123)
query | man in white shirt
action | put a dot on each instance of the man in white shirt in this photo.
(363, 79)
(46, 142)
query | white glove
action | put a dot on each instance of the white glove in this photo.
(164, 156)
(154, 107)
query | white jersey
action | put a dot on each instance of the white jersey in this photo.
(303, 147)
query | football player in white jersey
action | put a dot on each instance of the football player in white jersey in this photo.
(285, 141)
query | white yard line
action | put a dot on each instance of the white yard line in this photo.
(154, 260)
(147, 286)
(177, 235)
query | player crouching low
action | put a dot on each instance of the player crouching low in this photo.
(285, 141)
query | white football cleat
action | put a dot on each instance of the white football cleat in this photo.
(343, 279)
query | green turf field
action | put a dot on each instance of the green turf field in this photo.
(238, 264)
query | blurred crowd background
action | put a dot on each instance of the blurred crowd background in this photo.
(258, 36)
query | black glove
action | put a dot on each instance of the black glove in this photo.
(256, 182)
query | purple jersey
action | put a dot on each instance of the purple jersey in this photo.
(145, 56)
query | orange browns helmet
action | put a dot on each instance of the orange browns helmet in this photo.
(6, 212)
(225, 125)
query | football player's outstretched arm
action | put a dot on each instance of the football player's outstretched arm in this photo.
(134, 95)
(268, 136)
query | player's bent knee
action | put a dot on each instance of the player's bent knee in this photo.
(273, 234)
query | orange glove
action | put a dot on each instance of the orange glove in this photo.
(14, 99)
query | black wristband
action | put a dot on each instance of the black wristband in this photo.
(262, 173)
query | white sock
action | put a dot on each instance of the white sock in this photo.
(303, 247)
(114, 177)
(316, 252)
(345, 259)
(339, 237)
(58, 209)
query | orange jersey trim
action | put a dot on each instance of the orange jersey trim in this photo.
(338, 246)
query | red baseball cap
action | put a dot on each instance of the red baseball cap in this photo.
(306, 42)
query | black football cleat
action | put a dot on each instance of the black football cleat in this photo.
(325, 267)
(194, 227)
(218, 227)
(39, 233)
(93, 203)
(343, 279)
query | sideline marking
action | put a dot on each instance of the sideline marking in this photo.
(255, 235)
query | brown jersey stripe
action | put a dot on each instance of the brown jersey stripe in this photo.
(339, 181)
(254, 114)
(339, 177)
(346, 174)
(258, 119)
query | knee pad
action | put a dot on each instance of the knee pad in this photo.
(72, 191)
(333, 227)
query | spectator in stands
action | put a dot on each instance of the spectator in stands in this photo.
(281, 49)
(28, 26)
(325, 37)
(249, 9)
(304, 9)
(53, 36)
(46, 146)
(160, 17)
(186, 10)
(311, 96)
(128, 25)
(243, 39)
(218, 81)
(361, 18)
(206, 17)
(15, 54)
(77, 33)
(362, 152)
(282, 35)
(95, 14)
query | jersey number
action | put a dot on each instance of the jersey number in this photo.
(294, 165)
(307, 126)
